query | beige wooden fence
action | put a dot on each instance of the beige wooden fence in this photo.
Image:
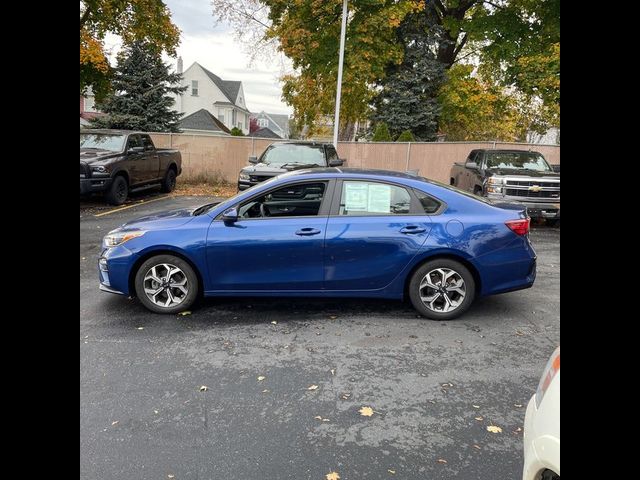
(206, 157)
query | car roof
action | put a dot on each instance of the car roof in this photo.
(504, 150)
(111, 131)
(334, 172)
(300, 142)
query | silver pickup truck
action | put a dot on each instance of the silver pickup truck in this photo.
(511, 176)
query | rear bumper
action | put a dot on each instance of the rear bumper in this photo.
(94, 185)
(509, 269)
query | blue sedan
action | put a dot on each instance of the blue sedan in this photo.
(327, 233)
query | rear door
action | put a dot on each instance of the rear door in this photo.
(150, 165)
(374, 230)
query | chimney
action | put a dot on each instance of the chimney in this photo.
(179, 69)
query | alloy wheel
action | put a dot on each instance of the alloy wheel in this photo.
(442, 290)
(165, 285)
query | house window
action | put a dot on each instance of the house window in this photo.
(263, 122)
(246, 122)
(194, 88)
(221, 117)
(234, 114)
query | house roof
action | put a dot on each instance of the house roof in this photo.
(229, 88)
(279, 120)
(265, 133)
(203, 120)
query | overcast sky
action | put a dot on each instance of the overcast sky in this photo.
(214, 48)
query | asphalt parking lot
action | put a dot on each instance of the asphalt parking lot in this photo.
(434, 387)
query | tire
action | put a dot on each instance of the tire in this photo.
(118, 191)
(184, 292)
(463, 294)
(169, 182)
(477, 191)
(552, 222)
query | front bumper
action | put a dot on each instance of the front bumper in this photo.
(244, 184)
(94, 185)
(114, 268)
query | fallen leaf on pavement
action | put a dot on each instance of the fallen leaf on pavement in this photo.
(115, 423)
(140, 328)
(274, 322)
(519, 333)
(479, 418)
(517, 430)
(204, 388)
(392, 472)
(366, 411)
(265, 391)
(326, 420)
(260, 378)
(186, 312)
(155, 411)
(494, 429)
(171, 476)
(333, 476)
(318, 417)
(442, 460)
(312, 387)
(476, 447)
(333, 317)
(475, 406)
(333, 371)
(517, 405)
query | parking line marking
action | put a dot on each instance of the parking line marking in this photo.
(131, 206)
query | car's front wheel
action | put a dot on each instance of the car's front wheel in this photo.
(442, 289)
(166, 284)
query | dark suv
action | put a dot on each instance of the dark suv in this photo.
(282, 157)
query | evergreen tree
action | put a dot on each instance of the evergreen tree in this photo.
(382, 133)
(409, 96)
(236, 132)
(406, 136)
(141, 101)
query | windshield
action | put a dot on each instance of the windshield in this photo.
(102, 141)
(521, 160)
(297, 154)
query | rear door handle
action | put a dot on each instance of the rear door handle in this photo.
(308, 231)
(412, 229)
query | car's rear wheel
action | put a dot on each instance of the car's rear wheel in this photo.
(118, 191)
(169, 182)
(166, 284)
(442, 289)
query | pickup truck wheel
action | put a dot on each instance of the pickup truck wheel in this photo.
(166, 284)
(169, 182)
(119, 191)
(442, 289)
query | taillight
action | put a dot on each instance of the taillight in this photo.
(519, 227)
(550, 371)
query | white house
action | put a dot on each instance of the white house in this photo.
(222, 98)
(277, 123)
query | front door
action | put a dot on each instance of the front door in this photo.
(374, 231)
(277, 244)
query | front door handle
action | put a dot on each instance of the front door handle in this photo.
(413, 229)
(308, 231)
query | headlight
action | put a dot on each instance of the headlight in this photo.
(99, 169)
(494, 185)
(244, 176)
(118, 238)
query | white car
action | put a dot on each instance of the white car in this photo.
(542, 426)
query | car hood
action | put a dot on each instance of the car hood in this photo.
(522, 173)
(161, 220)
(93, 157)
(265, 169)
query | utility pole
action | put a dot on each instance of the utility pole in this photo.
(343, 32)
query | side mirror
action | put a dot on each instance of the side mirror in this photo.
(253, 159)
(136, 149)
(230, 215)
(336, 163)
(471, 165)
